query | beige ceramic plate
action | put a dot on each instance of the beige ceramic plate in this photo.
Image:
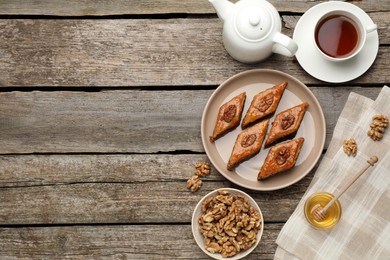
(198, 236)
(312, 128)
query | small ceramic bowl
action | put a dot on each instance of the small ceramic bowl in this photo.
(199, 237)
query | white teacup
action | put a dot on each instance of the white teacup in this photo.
(339, 35)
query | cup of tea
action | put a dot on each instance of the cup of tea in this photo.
(340, 35)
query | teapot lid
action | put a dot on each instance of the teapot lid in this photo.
(253, 21)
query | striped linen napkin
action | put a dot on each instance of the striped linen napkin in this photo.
(364, 229)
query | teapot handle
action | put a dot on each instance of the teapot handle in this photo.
(284, 45)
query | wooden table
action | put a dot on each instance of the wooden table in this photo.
(100, 111)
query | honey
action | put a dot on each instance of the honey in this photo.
(333, 214)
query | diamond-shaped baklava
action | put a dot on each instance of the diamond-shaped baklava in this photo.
(286, 124)
(263, 104)
(280, 158)
(229, 116)
(248, 144)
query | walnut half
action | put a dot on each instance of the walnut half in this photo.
(265, 103)
(378, 126)
(282, 155)
(202, 169)
(248, 140)
(287, 121)
(229, 113)
(350, 147)
(194, 183)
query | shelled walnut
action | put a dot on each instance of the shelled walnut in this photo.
(378, 126)
(229, 113)
(202, 169)
(248, 140)
(287, 121)
(350, 147)
(194, 183)
(265, 103)
(282, 155)
(228, 223)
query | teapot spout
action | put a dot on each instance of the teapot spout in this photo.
(223, 8)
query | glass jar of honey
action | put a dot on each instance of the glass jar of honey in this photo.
(333, 214)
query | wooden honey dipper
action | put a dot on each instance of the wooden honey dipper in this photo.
(319, 213)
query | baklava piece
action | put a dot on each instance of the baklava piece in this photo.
(280, 158)
(263, 104)
(248, 144)
(229, 116)
(286, 124)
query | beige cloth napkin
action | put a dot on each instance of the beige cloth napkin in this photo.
(364, 229)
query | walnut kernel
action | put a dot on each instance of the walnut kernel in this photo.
(287, 121)
(248, 140)
(282, 155)
(194, 183)
(202, 169)
(378, 126)
(265, 102)
(350, 147)
(229, 113)
(229, 224)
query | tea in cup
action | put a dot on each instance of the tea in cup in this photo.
(339, 35)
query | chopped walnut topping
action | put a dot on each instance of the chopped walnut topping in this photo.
(282, 155)
(229, 113)
(248, 140)
(265, 103)
(202, 169)
(378, 127)
(287, 121)
(194, 183)
(350, 147)
(229, 224)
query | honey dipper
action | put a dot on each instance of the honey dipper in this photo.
(319, 213)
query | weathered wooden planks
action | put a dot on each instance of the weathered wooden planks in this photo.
(138, 52)
(46, 170)
(56, 189)
(121, 7)
(121, 121)
(149, 202)
(115, 242)
(113, 121)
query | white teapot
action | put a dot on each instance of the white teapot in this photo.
(252, 30)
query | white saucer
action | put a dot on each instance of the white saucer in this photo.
(316, 65)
